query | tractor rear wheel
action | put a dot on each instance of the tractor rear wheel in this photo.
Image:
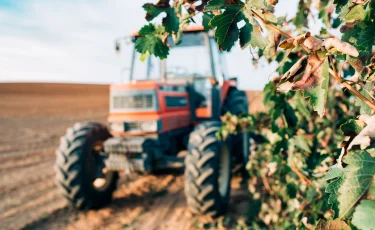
(237, 103)
(80, 169)
(207, 171)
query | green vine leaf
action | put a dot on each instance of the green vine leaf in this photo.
(301, 18)
(356, 13)
(171, 22)
(302, 107)
(342, 7)
(371, 192)
(292, 190)
(301, 142)
(227, 31)
(272, 44)
(363, 217)
(335, 175)
(152, 11)
(257, 40)
(214, 5)
(258, 4)
(206, 18)
(245, 34)
(364, 108)
(361, 36)
(349, 184)
(352, 127)
(150, 42)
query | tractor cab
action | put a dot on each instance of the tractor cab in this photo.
(184, 86)
(197, 56)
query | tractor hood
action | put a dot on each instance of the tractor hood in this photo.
(135, 85)
(138, 104)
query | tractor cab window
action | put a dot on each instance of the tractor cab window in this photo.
(147, 69)
(197, 56)
(190, 58)
(218, 60)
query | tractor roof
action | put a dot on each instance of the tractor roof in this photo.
(189, 29)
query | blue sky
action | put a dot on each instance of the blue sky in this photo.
(73, 41)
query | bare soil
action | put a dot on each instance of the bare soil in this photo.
(32, 119)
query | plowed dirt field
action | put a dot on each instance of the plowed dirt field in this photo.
(32, 119)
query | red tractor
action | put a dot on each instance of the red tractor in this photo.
(166, 107)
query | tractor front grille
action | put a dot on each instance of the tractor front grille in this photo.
(127, 101)
(133, 102)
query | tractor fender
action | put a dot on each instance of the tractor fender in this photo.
(231, 83)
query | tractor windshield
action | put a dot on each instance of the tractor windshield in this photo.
(191, 58)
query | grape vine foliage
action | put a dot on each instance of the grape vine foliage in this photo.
(312, 163)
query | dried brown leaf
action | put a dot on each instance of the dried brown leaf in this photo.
(367, 135)
(297, 68)
(286, 45)
(301, 38)
(303, 75)
(312, 75)
(332, 225)
(313, 43)
(290, 43)
(340, 46)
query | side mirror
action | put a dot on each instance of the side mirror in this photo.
(117, 47)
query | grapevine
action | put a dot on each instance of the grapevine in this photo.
(313, 165)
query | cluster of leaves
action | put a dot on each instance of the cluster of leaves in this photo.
(287, 169)
(289, 179)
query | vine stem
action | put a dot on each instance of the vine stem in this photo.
(302, 177)
(266, 184)
(350, 87)
(273, 27)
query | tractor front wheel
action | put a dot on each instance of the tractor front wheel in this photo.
(80, 168)
(207, 171)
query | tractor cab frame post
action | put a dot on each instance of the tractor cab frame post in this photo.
(216, 97)
(210, 55)
(163, 70)
(132, 65)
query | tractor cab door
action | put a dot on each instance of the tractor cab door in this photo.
(205, 91)
(204, 98)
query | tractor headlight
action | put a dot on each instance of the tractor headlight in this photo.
(117, 126)
(149, 126)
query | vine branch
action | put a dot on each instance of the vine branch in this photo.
(302, 177)
(275, 28)
(350, 87)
